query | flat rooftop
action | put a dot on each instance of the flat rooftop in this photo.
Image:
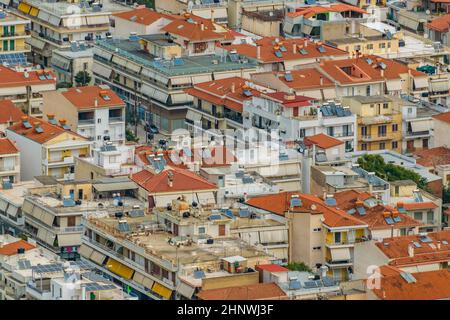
(372, 99)
(191, 65)
(17, 194)
(69, 54)
(146, 233)
(64, 8)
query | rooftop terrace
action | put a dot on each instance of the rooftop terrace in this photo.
(131, 50)
(64, 8)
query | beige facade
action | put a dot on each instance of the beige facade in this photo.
(440, 133)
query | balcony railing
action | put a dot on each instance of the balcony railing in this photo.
(377, 137)
(86, 122)
(418, 133)
(115, 119)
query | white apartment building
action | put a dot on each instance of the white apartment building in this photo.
(9, 163)
(67, 63)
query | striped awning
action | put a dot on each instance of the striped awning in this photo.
(162, 290)
(119, 268)
(185, 290)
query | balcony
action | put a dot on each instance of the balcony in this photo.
(371, 138)
(86, 122)
(62, 160)
(115, 119)
(417, 133)
(338, 264)
(376, 120)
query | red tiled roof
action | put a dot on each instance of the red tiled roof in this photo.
(311, 11)
(13, 78)
(268, 47)
(183, 180)
(304, 79)
(194, 30)
(9, 112)
(433, 157)
(290, 101)
(429, 285)
(440, 24)
(322, 141)
(445, 116)
(7, 147)
(280, 204)
(249, 292)
(396, 249)
(11, 248)
(419, 205)
(271, 268)
(85, 97)
(142, 16)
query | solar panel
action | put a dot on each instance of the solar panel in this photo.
(417, 197)
(283, 157)
(244, 213)
(229, 214)
(444, 242)
(66, 127)
(27, 125)
(278, 54)
(247, 93)
(369, 61)
(321, 157)
(303, 51)
(53, 121)
(48, 268)
(199, 274)
(42, 77)
(417, 245)
(239, 174)
(98, 287)
(382, 65)
(351, 211)
(124, 227)
(296, 202)
(215, 217)
(408, 277)
(294, 285)
(136, 213)
(397, 219)
(361, 210)
(401, 209)
(340, 112)
(157, 64)
(322, 49)
(24, 264)
(13, 59)
(328, 282)
(389, 220)
(247, 180)
(425, 239)
(234, 57)
(310, 284)
(283, 49)
(39, 130)
(49, 76)
(178, 62)
(331, 201)
(288, 77)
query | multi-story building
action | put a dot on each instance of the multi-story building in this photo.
(319, 234)
(47, 149)
(55, 25)
(327, 150)
(154, 85)
(263, 23)
(67, 63)
(9, 115)
(322, 21)
(9, 163)
(441, 125)
(436, 160)
(94, 112)
(25, 87)
(13, 33)
(379, 124)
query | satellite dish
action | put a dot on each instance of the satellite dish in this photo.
(425, 35)
(427, 12)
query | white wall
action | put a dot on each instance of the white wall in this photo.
(30, 156)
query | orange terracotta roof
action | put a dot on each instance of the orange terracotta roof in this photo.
(304, 79)
(440, 24)
(433, 157)
(396, 249)
(290, 101)
(271, 268)
(429, 285)
(9, 112)
(323, 141)
(419, 205)
(445, 116)
(220, 92)
(280, 204)
(193, 31)
(183, 180)
(84, 97)
(50, 131)
(268, 47)
(13, 78)
(10, 249)
(248, 292)
(7, 147)
(311, 11)
(143, 16)
(363, 72)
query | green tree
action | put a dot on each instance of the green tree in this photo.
(298, 266)
(446, 194)
(63, 85)
(130, 136)
(148, 3)
(82, 78)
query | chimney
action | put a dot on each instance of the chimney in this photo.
(96, 102)
(306, 43)
(233, 88)
(438, 245)
(50, 116)
(202, 26)
(411, 250)
(382, 73)
(258, 52)
(294, 48)
(170, 179)
(62, 122)
(321, 80)
(26, 75)
(24, 119)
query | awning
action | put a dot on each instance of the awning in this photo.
(439, 86)
(162, 290)
(50, 239)
(34, 11)
(316, 94)
(148, 90)
(420, 126)
(101, 70)
(148, 73)
(27, 206)
(47, 218)
(185, 290)
(228, 74)
(3, 205)
(201, 78)
(394, 85)
(119, 269)
(161, 78)
(180, 80)
(133, 67)
(179, 98)
(307, 29)
(193, 116)
(288, 26)
(97, 257)
(85, 251)
(60, 62)
(251, 237)
(161, 96)
(143, 280)
(34, 42)
(12, 210)
(290, 64)
(421, 82)
(55, 20)
(329, 93)
(206, 197)
(104, 54)
(24, 7)
(118, 186)
(274, 236)
(407, 22)
(42, 234)
(65, 240)
(97, 20)
(119, 61)
(340, 254)
(43, 15)
(163, 201)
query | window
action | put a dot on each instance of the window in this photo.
(200, 47)
(368, 91)
(382, 45)
(385, 105)
(372, 106)
(317, 248)
(364, 146)
(370, 46)
(364, 131)
(346, 130)
(99, 137)
(409, 110)
(330, 131)
(418, 215)
(337, 237)
(394, 144)
(394, 127)
(165, 273)
(382, 145)
(382, 131)
(302, 133)
(317, 229)
(430, 217)
(201, 230)
(71, 221)
(388, 44)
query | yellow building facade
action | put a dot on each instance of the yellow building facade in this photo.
(13, 34)
(379, 123)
